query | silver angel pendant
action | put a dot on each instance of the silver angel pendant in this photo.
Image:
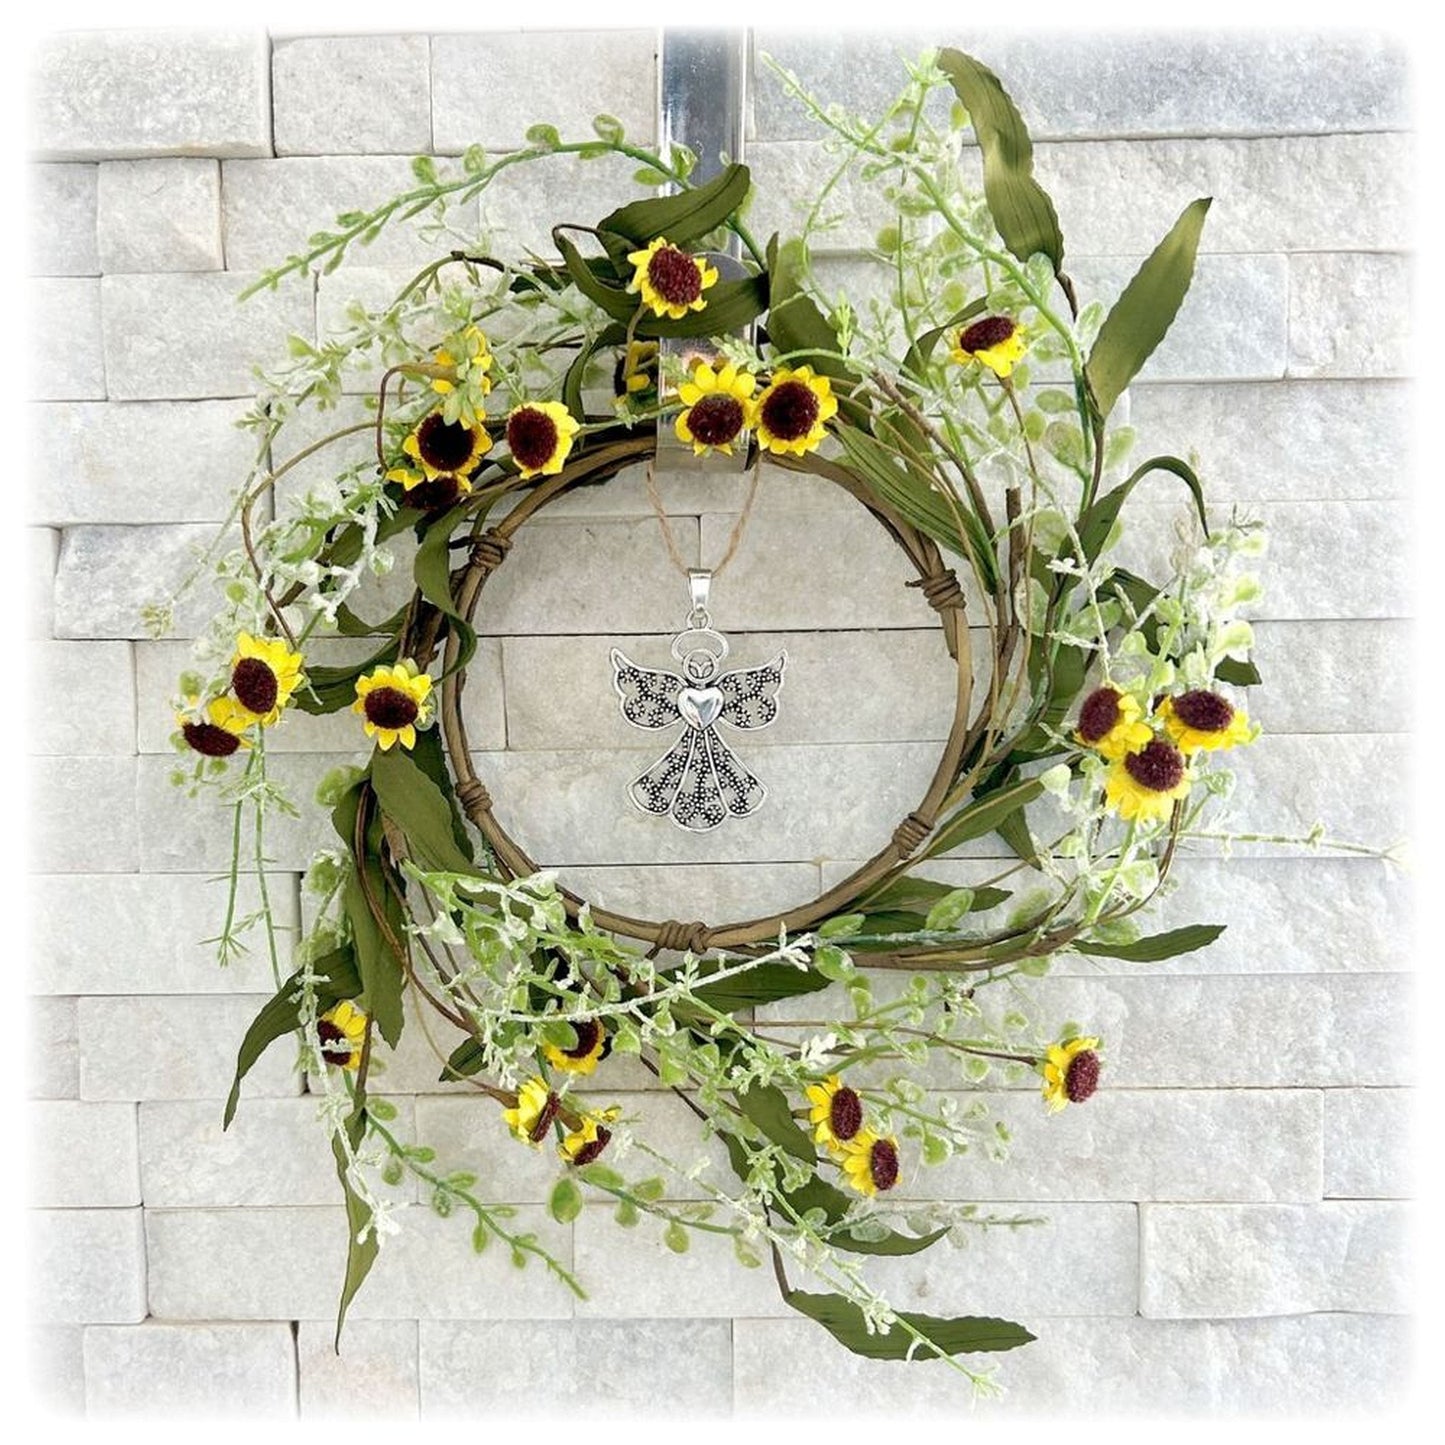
(699, 781)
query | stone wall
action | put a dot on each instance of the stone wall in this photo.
(1225, 1220)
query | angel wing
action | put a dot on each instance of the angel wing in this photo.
(648, 695)
(750, 698)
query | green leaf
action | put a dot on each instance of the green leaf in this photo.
(420, 809)
(964, 1335)
(1097, 522)
(463, 1061)
(1138, 320)
(424, 168)
(949, 910)
(767, 1107)
(767, 983)
(1021, 209)
(381, 971)
(565, 1201)
(1241, 674)
(281, 1014)
(915, 362)
(984, 816)
(329, 689)
(359, 1256)
(1158, 945)
(431, 570)
(682, 217)
(543, 137)
(675, 1237)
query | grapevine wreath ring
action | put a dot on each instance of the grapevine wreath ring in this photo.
(939, 585)
(1093, 751)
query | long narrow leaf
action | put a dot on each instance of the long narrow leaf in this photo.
(966, 1334)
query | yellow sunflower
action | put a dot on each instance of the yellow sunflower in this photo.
(264, 674)
(470, 359)
(540, 434)
(583, 1145)
(342, 1030)
(441, 448)
(1111, 723)
(719, 408)
(393, 700)
(836, 1112)
(1145, 784)
(533, 1113)
(636, 371)
(670, 281)
(1201, 721)
(591, 1048)
(790, 413)
(870, 1162)
(994, 341)
(217, 731)
(1071, 1072)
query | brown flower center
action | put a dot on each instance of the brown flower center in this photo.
(255, 685)
(593, 1147)
(336, 1047)
(990, 331)
(845, 1113)
(1099, 714)
(437, 495)
(210, 740)
(389, 707)
(538, 1131)
(1083, 1076)
(445, 445)
(532, 437)
(715, 420)
(589, 1035)
(1204, 711)
(883, 1164)
(675, 276)
(790, 410)
(1158, 766)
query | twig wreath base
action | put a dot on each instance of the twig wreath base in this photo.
(940, 586)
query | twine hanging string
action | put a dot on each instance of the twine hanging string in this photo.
(734, 541)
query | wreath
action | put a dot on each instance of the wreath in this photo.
(973, 412)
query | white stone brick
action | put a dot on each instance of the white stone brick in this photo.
(65, 316)
(189, 1050)
(1004, 1271)
(160, 664)
(1288, 440)
(556, 1367)
(104, 93)
(319, 471)
(1209, 1261)
(88, 1266)
(42, 549)
(62, 221)
(1235, 1144)
(520, 207)
(276, 1152)
(98, 462)
(87, 822)
(490, 88)
(182, 336)
(1369, 1143)
(1312, 672)
(160, 215)
(294, 1260)
(1234, 323)
(53, 1054)
(843, 798)
(185, 835)
(375, 1372)
(712, 892)
(1084, 83)
(83, 1155)
(57, 1368)
(271, 207)
(100, 673)
(1289, 1365)
(340, 94)
(158, 1371)
(1349, 315)
(106, 576)
(910, 685)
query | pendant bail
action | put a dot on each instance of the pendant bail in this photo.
(699, 583)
